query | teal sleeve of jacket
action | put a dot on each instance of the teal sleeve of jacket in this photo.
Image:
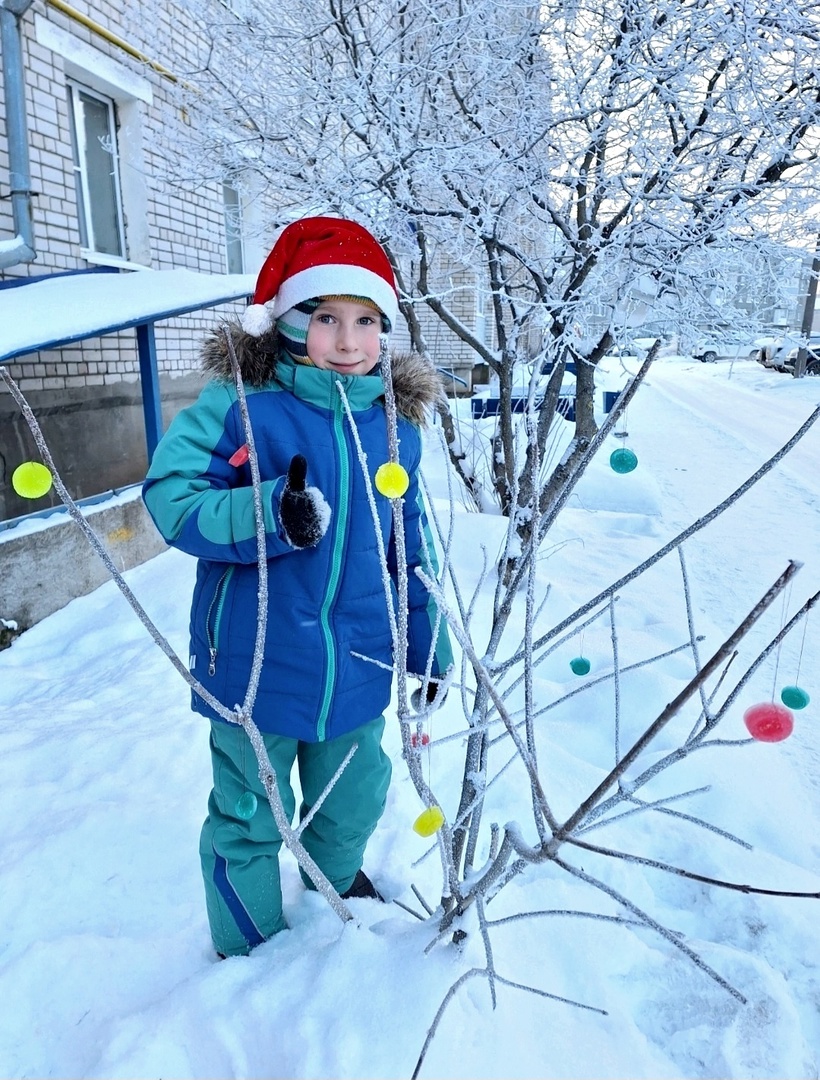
(188, 488)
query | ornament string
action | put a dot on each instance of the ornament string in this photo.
(784, 607)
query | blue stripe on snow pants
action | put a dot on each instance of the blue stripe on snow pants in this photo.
(240, 858)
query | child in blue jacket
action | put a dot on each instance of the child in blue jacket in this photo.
(323, 298)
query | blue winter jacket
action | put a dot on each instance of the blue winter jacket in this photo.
(328, 649)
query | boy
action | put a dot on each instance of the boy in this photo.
(323, 298)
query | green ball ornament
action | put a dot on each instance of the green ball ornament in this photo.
(246, 806)
(623, 460)
(794, 697)
(31, 480)
(580, 665)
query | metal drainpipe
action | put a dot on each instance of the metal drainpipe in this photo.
(21, 248)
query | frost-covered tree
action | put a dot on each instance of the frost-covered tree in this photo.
(578, 164)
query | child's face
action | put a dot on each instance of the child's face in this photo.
(343, 336)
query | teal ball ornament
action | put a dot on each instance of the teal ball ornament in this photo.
(579, 665)
(246, 806)
(794, 697)
(623, 460)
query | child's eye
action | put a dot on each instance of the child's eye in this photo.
(367, 320)
(324, 317)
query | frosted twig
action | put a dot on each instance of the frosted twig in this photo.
(690, 621)
(377, 529)
(690, 530)
(619, 920)
(680, 872)
(487, 682)
(261, 540)
(662, 807)
(232, 716)
(589, 683)
(647, 920)
(97, 545)
(306, 820)
(759, 659)
(674, 706)
(616, 677)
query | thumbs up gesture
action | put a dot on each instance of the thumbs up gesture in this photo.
(303, 511)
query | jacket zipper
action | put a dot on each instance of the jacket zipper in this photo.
(218, 602)
(340, 529)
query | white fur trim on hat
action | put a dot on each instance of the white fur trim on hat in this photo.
(336, 279)
(257, 319)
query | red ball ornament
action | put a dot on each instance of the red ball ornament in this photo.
(416, 741)
(769, 722)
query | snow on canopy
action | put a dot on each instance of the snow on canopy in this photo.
(53, 311)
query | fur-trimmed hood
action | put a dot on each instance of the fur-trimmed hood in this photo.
(416, 383)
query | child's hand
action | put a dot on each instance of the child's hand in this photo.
(303, 512)
(435, 695)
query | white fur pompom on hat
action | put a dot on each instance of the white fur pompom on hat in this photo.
(257, 319)
(321, 256)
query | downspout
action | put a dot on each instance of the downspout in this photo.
(20, 249)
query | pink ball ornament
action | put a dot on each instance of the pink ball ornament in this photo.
(769, 722)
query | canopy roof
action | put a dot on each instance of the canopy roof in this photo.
(49, 312)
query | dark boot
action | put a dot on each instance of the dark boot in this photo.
(362, 889)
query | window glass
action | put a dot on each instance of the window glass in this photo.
(233, 230)
(94, 142)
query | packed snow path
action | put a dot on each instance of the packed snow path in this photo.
(106, 968)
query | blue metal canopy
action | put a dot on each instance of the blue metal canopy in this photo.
(59, 309)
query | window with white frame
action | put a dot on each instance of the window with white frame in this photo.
(96, 170)
(235, 258)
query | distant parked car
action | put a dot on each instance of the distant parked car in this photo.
(812, 356)
(710, 349)
(781, 354)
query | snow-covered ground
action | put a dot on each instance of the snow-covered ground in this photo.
(106, 968)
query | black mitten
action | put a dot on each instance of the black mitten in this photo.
(434, 695)
(303, 512)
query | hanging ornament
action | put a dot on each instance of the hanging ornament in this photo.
(794, 697)
(31, 480)
(769, 722)
(240, 456)
(623, 460)
(392, 480)
(429, 821)
(246, 806)
(419, 740)
(579, 665)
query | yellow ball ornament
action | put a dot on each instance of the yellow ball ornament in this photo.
(31, 480)
(429, 821)
(392, 480)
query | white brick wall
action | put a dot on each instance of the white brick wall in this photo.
(182, 230)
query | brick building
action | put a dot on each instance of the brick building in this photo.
(88, 112)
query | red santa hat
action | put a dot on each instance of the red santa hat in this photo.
(321, 256)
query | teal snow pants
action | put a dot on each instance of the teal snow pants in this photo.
(240, 858)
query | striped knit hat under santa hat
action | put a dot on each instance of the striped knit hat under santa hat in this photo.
(320, 257)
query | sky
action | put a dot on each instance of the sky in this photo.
(106, 967)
